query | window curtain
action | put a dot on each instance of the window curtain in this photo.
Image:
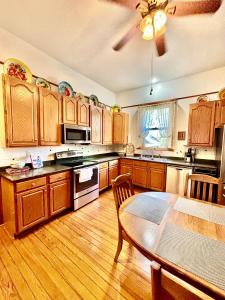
(159, 117)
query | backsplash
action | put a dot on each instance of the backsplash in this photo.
(47, 153)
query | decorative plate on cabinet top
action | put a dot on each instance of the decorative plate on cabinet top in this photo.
(18, 69)
(222, 94)
(93, 99)
(42, 83)
(65, 89)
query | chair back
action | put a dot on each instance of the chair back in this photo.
(122, 189)
(203, 187)
(166, 286)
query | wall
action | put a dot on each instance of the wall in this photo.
(196, 84)
(45, 66)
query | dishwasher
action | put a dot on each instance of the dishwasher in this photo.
(176, 178)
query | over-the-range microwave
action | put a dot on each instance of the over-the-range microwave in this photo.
(73, 134)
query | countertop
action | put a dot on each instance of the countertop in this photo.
(174, 162)
(36, 173)
(100, 159)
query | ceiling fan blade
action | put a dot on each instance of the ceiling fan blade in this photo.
(134, 29)
(127, 3)
(192, 7)
(160, 44)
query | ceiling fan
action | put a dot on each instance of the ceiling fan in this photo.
(154, 15)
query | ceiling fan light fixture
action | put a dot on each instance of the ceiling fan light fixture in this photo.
(159, 19)
(148, 33)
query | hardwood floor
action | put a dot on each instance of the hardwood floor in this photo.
(72, 258)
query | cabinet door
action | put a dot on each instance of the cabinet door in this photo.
(113, 173)
(156, 180)
(103, 179)
(69, 110)
(107, 127)
(21, 103)
(32, 208)
(96, 124)
(83, 113)
(60, 196)
(120, 128)
(124, 169)
(140, 176)
(201, 124)
(50, 117)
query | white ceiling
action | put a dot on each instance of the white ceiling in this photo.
(81, 33)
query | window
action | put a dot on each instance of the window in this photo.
(156, 125)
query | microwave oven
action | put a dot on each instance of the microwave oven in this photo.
(73, 134)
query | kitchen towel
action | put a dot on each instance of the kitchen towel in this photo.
(85, 174)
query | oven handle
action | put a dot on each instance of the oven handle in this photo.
(78, 171)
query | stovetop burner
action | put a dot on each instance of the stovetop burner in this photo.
(73, 159)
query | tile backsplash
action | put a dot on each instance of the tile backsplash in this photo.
(47, 153)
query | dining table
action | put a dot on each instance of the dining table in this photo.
(185, 236)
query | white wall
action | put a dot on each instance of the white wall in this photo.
(45, 66)
(200, 83)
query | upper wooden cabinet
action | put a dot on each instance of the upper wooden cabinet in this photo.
(220, 113)
(69, 110)
(201, 124)
(120, 128)
(107, 127)
(96, 124)
(83, 113)
(50, 117)
(21, 112)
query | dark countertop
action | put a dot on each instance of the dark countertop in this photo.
(36, 173)
(106, 158)
(176, 162)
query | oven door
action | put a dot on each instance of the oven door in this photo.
(75, 135)
(82, 186)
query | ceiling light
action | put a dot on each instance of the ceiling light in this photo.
(159, 19)
(148, 32)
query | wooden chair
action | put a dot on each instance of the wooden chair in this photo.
(122, 189)
(166, 286)
(204, 187)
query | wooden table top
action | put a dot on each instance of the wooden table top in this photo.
(146, 235)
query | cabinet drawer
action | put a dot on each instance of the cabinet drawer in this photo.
(103, 165)
(140, 163)
(30, 184)
(124, 161)
(113, 162)
(59, 176)
(157, 166)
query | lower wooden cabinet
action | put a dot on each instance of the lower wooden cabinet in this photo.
(32, 208)
(148, 175)
(59, 197)
(103, 178)
(113, 170)
(30, 202)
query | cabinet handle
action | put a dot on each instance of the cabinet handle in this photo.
(33, 184)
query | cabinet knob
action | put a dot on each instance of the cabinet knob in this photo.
(33, 184)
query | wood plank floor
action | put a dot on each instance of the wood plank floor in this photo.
(72, 258)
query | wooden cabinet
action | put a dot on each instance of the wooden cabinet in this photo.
(113, 170)
(21, 112)
(96, 124)
(32, 208)
(103, 176)
(220, 113)
(120, 128)
(156, 177)
(60, 198)
(69, 110)
(30, 202)
(140, 173)
(126, 166)
(50, 117)
(83, 112)
(107, 127)
(201, 124)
